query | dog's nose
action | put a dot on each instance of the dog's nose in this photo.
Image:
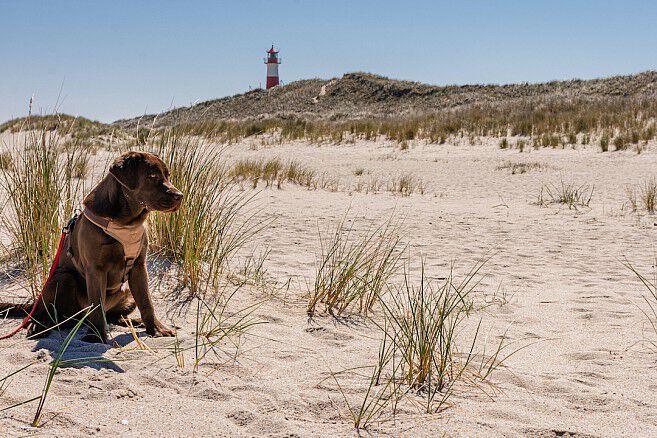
(175, 194)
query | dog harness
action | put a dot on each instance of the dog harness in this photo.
(131, 237)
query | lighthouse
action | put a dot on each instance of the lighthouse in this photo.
(272, 62)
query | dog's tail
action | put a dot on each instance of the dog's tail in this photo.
(14, 310)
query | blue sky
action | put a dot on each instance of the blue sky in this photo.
(118, 59)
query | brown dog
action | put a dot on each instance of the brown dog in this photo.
(107, 248)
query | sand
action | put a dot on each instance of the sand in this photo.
(556, 281)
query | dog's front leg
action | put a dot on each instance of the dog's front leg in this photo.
(138, 282)
(96, 292)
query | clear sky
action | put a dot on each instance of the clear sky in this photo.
(116, 59)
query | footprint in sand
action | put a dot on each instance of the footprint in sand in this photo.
(550, 433)
(241, 417)
(324, 333)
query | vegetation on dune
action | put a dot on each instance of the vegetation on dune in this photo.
(74, 132)
(619, 111)
(548, 123)
(77, 127)
(275, 172)
(586, 112)
(365, 96)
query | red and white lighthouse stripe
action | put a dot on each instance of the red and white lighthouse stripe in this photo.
(272, 62)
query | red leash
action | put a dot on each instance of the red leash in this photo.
(50, 274)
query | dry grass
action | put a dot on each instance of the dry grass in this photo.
(424, 355)
(272, 171)
(275, 172)
(631, 194)
(644, 196)
(214, 221)
(566, 193)
(648, 195)
(328, 182)
(405, 185)
(42, 184)
(353, 270)
(544, 122)
(217, 324)
(651, 302)
(373, 184)
(604, 143)
(521, 167)
(6, 160)
(421, 326)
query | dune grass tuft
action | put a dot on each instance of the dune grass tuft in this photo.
(566, 193)
(273, 171)
(648, 195)
(214, 221)
(217, 323)
(405, 185)
(353, 270)
(6, 160)
(518, 168)
(424, 356)
(43, 189)
(422, 322)
(644, 195)
(651, 301)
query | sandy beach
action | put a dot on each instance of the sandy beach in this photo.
(555, 287)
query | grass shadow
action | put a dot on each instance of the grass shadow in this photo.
(80, 354)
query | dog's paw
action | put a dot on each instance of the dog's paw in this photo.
(159, 329)
(32, 330)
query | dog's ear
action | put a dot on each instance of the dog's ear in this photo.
(126, 170)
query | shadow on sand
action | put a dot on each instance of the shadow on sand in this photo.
(80, 354)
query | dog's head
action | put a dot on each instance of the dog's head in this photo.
(147, 179)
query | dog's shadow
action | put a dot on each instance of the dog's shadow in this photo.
(81, 354)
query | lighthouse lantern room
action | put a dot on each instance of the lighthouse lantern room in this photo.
(272, 62)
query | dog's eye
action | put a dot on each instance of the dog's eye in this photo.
(154, 178)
